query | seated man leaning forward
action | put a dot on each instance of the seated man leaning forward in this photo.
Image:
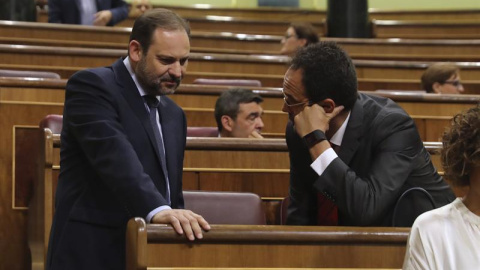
(351, 155)
(238, 114)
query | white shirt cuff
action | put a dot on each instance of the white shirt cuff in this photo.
(155, 211)
(322, 162)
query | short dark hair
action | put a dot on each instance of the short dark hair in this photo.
(151, 20)
(229, 103)
(328, 72)
(438, 72)
(461, 147)
(304, 30)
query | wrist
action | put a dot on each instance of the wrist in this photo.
(314, 137)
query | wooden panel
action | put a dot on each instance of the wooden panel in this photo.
(266, 246)
(264, 183)
(13, 221)
(421, 29)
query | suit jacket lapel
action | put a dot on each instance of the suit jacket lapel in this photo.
(352, 136)
(129, 90)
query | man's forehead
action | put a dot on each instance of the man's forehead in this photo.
(293, 80)
(249, 107)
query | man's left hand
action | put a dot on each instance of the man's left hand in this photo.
(314, 117)
(102, 18)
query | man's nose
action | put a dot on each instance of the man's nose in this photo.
(260, 123)
(175, 69)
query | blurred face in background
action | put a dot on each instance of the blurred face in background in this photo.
(139, 7)
(291, 43)
(451, 86)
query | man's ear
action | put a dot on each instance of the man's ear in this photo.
(328, 105)
(135, 51)
(436, 86)
(227, 123)
(303, 42)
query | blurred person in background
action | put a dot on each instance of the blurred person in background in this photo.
(298, 35)
(442, 78)
(87, 12)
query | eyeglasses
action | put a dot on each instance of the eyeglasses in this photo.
(293, 105)
(455, 83)
(287, 36)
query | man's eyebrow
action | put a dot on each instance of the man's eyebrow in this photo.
(256, 114)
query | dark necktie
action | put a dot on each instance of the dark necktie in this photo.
(327, 209)
(153, 104)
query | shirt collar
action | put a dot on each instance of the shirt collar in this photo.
(337, 138)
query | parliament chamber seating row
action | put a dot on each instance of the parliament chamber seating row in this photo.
(117, 38)
(258, 247)
(416, 27)
(18, 117)
(306, 15)
(66, 61)
(238, 165)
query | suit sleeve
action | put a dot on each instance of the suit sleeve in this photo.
(366, 199)
(119, 11)
(302, 207)
(92, 115)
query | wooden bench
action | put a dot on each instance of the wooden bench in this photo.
(278, 247)
(97, 37)
(406, 50)
(426, 29)
(431, 112)
(258, 166)
(80, 58)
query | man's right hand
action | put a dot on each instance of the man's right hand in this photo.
(183, 221)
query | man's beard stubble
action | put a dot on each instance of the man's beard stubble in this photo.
(151, 84)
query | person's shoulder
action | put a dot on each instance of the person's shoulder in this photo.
(380, 104)
(435, 219)
(102, 72)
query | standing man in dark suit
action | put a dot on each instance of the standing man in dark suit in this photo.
(120, 156)
(87, 12)
(351, 155)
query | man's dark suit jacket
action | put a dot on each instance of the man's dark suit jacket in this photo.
(67, 11)
(381, 156)
(109, 168)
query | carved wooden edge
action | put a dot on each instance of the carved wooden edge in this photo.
(420, 23)
(238, 36)
(285, 234)
(263, 91)
(238, 144)
(269, 59)
(136, 244)
(288, 10)
(241, 144)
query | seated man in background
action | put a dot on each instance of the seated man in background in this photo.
(351, 155)
(238, 114)
(298, 35)
(87, 12)
(449, 237)
(138, 7)
(442, 78)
